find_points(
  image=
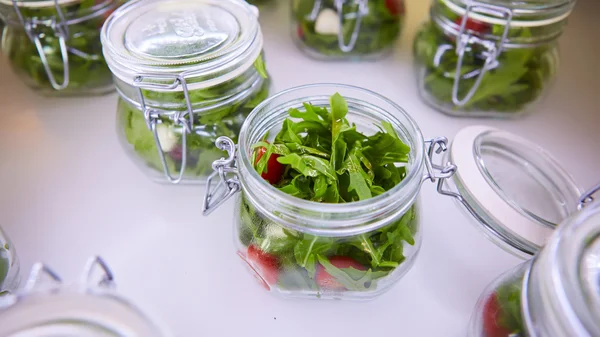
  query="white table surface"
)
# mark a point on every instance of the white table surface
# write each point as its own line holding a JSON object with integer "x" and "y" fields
{"x": 67, "y": 191}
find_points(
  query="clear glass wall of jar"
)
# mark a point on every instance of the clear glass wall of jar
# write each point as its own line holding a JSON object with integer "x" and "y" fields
{"x": 340, "y": 29}
{"x": 506, "y": 55}
{"x": 46, "y": 307}
{"x": 308, "y": 249}
{"x": 54, "y": 45}
{"x": 556, "y": 294}
{"x": 9, "y": 265}
{"x": 184, "y": 77}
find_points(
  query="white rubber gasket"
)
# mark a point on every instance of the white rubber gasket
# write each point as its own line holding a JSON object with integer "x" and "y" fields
{"x": 497, "y": 21}
{"x": 492, "y": 203}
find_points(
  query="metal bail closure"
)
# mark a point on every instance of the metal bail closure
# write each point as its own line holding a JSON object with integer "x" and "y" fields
{"x": 154, "y": 116}
{"x": 107, "y": 279}
{"x": 226, "y": 187}
{"x": 436, "y": 146}
{"x": 493, "y": 50}
{"x": 60, "y": 30}
{"x": 587, "y": 198}
{"x": 363, "y": 9}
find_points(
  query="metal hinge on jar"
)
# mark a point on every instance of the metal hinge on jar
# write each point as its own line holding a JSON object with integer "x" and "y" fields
{"x": 363, "y": 9}
{"x": 41, "y": 275}
{"x": 587, "y": 198}
{"x": 179, "y": 118}
{"x": 61, "y": 31}
{"x": 492, "y": 49}
{"x": 229, "y": 184}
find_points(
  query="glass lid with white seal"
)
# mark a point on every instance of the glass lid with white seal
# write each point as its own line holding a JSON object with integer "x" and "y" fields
{"x": 514, "y": 189}
{"x": 47, "y": 308}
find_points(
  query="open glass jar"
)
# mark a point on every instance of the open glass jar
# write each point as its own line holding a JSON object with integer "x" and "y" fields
{"x": 46, "y": 307}
{"x": 489, "y": 58}
{"x": 346, "y": 29}
{"x": 186, "y": 72}
{"x": 350, "y": 249}
{"x": 9, "y": 265}
{"x": 54, "y": 45}
{"x": 554, "y": 295}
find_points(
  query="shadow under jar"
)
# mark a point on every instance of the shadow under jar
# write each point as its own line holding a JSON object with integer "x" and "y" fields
{"x": 342, "y": 221}
{"x": 46, "y": 307}
{"x": 346, "y": 29}
{"x": 54, "y": 45}
{"x": 489, "y": 58}
{"x": 555, "y": 294}
{"x": 187, "y": 73}
{"x": 9, "y": 265}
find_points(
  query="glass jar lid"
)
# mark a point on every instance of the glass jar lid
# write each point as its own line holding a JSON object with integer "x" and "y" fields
{"x": 527, "y": 13}
{"x": 48, "y": 308}
{"x": 206, "y": 41}
{"x": 515, "y": 190}
{"x": 39, "y": 3}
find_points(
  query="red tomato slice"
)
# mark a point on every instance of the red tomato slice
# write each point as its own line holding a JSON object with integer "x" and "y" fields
{"x": 264, "y": 264}
{"x": 491, "y": 314}
{"x": 274, "y": 169}
{"x": 396, "y": 7}
{"x": 474, "y": 25}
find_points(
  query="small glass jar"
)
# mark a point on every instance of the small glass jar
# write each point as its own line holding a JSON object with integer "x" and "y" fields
{"x": 48, "y": 308}
{"x": 352, "y": 29}
{"x": 506, "y": 55}
{"x": 9, "y": 265}
{"x": 54, "y": 45}
{"x": 554, "y": 295}
{"x": 186, "y": 72}
{"x": 307, "y": 249}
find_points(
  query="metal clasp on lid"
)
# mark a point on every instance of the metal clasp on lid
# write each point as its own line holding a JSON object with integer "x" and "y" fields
{"x": 436, "y": 146}
{"x": 61, "y": 31}
{"x": 493, "y": 50}
{"x": 40, "y": 274}
{"x": 363, "y": 9}
{"x": 587, "y": 197}
{"x": 227, "y": 186}
{"x": 179, "y": 118}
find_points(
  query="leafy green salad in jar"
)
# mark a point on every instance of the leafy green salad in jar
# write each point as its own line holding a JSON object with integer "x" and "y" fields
{"x": 55, "y": 48}
{"x": 347, "y": 29}
{"x": 493, "y": 62}
{"x": 319, "y": 156}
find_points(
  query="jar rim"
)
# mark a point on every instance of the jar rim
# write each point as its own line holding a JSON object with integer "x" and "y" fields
{"x": 405, "y": 192}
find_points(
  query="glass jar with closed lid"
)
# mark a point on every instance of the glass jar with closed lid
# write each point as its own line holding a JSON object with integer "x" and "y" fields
{"x": 54, "y": 45}
{"x": 489, "y": 58}
{"x": 186, "y": 73}
{"x": 330, "y": 176}
{"x": 9, "y": 265}
{"x": 346, "y": 29}
{"x": 556, "y": 294}
{"x": 92, "y": 308}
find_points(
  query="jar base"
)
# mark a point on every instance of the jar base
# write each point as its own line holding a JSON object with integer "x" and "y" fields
{"x": 315, "y": 55}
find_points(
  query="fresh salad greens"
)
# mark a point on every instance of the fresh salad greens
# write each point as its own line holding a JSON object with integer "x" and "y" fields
{"x": 318, "y": 23}
{"x": 319, "y": 156}
{"x": 220, "y": 116}
{"x": 88, "y": 72}
{"x": 517, "y": 80}
{"x": 502, "y": 311}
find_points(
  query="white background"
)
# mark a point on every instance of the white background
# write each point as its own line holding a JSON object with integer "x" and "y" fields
{"x": 67, "y": 191}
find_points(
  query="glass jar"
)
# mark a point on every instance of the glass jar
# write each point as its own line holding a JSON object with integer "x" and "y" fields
{"x": 515, "y": 192}
{"x": 186, "y": 72}
{"x": 47, "y": 308}
{"x": 9, "y": 265}
{"x": 505, "y": 52}
{"x": 309, "y": 249}
{"x": 54, "y": 45}
{"x": 554, "y": 295}
{"x": 352, "y": 29}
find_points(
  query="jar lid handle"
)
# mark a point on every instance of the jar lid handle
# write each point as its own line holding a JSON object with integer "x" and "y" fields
{"x": 226, "y": 187}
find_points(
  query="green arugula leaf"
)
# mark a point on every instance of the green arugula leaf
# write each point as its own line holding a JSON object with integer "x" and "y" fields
{"x": 259, "y": 65}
